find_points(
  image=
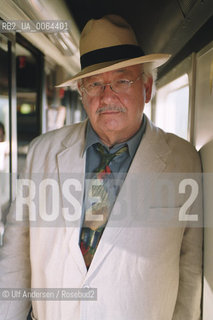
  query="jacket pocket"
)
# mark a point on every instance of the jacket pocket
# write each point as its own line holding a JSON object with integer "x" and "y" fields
{"x": 164, "y": 217}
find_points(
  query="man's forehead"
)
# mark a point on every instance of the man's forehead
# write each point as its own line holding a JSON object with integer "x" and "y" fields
{"x": 125, "y": 71}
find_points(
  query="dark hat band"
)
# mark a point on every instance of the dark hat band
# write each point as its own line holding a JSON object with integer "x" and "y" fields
{"x": 120, "y": 52}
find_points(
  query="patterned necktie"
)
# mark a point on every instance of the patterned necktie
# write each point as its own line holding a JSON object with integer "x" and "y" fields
{"x": 96, "y": 216}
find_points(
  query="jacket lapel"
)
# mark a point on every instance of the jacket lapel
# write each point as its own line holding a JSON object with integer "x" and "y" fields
{"x": 71, "y": 171}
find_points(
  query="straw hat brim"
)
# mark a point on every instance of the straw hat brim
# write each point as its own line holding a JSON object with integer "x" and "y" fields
{"x": 155, "y": 59}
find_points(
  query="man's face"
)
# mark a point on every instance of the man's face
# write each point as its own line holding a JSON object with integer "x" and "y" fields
{"x": 112, "y": 113}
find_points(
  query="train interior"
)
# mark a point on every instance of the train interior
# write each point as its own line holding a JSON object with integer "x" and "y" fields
{"x": 33, "y": 63}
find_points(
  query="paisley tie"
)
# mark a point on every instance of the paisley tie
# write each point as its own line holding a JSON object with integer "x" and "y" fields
{"x": 96, "y": 216}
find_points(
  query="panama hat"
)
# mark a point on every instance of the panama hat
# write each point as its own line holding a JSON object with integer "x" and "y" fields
{"x": 110, "y": 43}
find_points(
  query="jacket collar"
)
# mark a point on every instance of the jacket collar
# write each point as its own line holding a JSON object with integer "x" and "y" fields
{"x": 76, "y": 135}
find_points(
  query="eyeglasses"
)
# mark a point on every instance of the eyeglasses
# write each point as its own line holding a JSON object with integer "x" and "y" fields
{"x": 118, "y": 86}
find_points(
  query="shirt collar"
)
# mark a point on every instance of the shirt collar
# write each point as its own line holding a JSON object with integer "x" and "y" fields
{"x": 92, "y": 138}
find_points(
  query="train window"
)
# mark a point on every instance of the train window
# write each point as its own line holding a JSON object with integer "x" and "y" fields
{"x": 172, "y": 106}
{"x": 4, "y": 127}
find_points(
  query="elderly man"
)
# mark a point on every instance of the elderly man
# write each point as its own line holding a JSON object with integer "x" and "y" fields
{"x": 118, "y": 229}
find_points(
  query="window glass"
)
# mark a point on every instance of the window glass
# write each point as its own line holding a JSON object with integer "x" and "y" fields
{"x": 172, "y": 107}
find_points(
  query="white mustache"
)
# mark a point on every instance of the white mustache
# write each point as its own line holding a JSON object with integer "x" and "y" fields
{"x": 110, "y": 108}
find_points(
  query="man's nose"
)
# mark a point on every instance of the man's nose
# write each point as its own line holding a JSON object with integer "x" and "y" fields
{"x": 107, "y": 92}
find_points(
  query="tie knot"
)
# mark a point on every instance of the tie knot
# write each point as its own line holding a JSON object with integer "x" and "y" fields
{"x": 106, "y": 157}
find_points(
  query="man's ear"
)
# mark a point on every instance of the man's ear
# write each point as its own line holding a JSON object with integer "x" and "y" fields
{"x": 79, "y": 87}
{"x": 148, "y": 89}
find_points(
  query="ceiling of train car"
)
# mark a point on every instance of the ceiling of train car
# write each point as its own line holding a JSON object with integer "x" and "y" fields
{"x": 160, "y": 26}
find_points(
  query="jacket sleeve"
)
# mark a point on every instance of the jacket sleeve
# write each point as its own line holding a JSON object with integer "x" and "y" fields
{"x": 14, "y": 268}
{"x": 188, "y": 304}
